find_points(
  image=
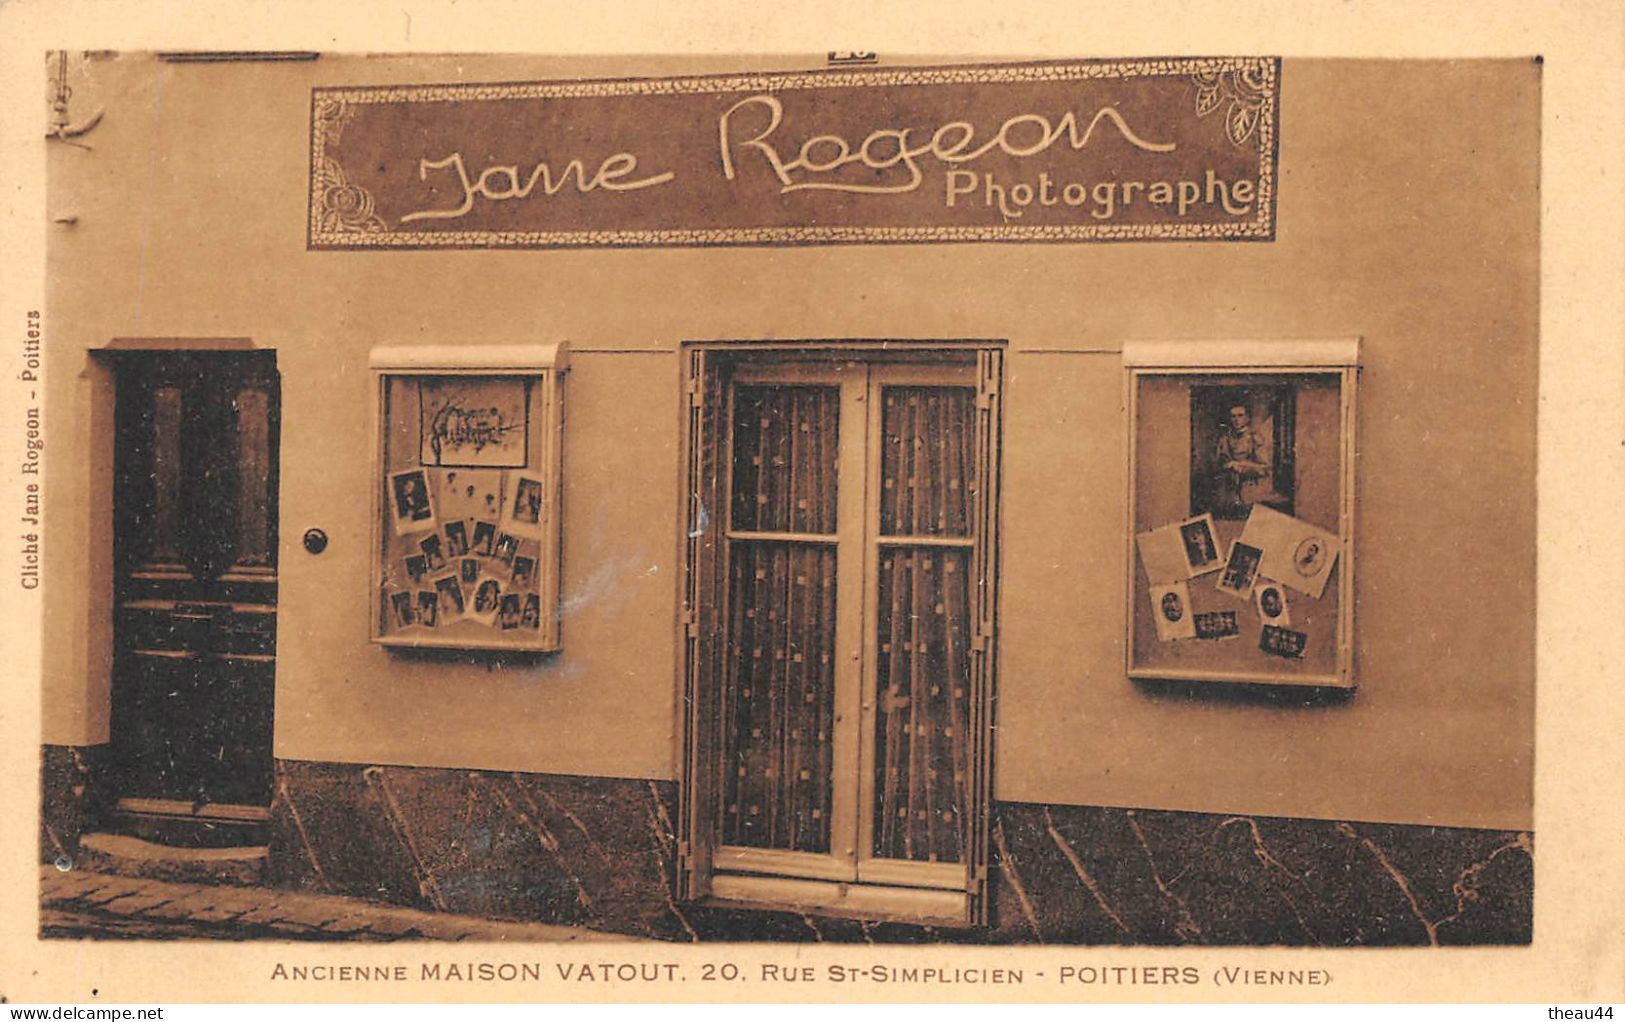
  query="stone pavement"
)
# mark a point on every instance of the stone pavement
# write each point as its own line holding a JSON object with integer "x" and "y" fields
{"x": 80, "y": 903}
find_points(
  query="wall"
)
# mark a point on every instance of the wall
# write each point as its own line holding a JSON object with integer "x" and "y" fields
{"x": 599, "y": 853}
{"x": 1408, "y": 212}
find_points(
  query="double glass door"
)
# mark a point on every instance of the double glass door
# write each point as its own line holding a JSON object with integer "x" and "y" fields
{"x": 848, "y": 734}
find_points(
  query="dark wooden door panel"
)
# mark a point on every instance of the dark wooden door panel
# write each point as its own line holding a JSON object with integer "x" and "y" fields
{"x": 193, "y": 730}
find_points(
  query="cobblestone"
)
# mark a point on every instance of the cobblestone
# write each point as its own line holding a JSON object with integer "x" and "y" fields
{"x": 82, "y": 904}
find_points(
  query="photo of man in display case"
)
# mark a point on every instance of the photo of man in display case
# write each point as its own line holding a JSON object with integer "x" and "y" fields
{"x": 1242, "y": 450}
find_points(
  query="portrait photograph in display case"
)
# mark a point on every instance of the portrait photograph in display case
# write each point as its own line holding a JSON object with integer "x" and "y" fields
{"x": 412, "y": 507}
{"x": 525, "y": 504}
{"x": 400, "y": 604}
{"x": 456, "y": 539}
{"x": 1242, "y": 449}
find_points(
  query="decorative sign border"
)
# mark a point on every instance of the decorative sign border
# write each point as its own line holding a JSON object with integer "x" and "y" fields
{"x": 1242, "y": 91}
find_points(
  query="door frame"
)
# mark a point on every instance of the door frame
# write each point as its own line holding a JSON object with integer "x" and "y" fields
{"x": 905, "y": 893}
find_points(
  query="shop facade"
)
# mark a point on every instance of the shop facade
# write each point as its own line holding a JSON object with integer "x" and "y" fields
{"x": 805, "y": 498}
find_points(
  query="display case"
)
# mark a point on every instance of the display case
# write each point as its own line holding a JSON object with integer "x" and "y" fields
{"x": 1241, "y": 511}
{"x": 466, "y": 514}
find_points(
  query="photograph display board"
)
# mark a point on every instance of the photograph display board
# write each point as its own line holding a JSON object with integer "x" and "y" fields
{"x": 1241, "y": 513}
{"x": 468, "y": 515}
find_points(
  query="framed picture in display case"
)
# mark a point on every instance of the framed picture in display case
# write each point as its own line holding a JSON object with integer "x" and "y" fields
{"x": 1240, "y": 516}
{"x": 466, "y": 516}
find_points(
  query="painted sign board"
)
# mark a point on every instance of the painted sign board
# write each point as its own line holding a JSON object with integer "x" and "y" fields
{"x": 1179, "y": 149}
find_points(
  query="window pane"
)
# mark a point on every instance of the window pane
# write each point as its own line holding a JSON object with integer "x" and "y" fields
{"x": 926, "y": 461}
{"x": 785, "y": 445}
{"x": 779, "y": 696}
{"x": 923, "y": 683}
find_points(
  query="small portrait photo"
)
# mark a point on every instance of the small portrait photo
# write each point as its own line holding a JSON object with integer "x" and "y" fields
{"x": 456, "y": 538}
{"x": 531, "y": 616}
{"x": 468, "y": 571}
{"x": 1309, "y": 556}
{"x": 416, "y": 567}
{"x": 413, "y": 510}
{"x": 1201, "y": 550}
{"x": 1271, "y": 601}
{"x": 401, "y": 612}
{"x": 1179, "y": 550}
{"x": 432, "y": 555}
{"x": 525, "y": 500}
{"x": 451, "y": 597}
{"x": 1243, "y": 449}
{"x": 509, "y": 615}
{"x": 524, "y": 572}
{"x": 487, "y": 601}
{"x": 1171, "y": 604}
{"x": 485, "y": 535}
{"x": 428, "y": 608}
{"x": 1240, "y": 570}
{"x": 507, "y": 549}
{"x": 1217, "y": 624}
{"x": 1283, "y": 642}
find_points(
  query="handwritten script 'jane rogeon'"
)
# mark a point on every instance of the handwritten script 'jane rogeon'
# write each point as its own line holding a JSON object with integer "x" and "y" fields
{"x": 884, "y": 149}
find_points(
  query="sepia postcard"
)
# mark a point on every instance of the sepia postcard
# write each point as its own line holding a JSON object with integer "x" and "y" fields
{"x": 641, "y": 509}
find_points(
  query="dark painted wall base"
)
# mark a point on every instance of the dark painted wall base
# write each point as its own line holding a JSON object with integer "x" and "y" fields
{"x": 601, "y": 853}
{"x": 1073, "y": 874}
{"x": 522, "y": 846}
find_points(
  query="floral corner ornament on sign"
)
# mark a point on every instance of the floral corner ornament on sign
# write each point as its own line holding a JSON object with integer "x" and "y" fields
{"x": 343, "y": 207}
{"x": 1247, "y": 89}
{"x": 330, "y": 116}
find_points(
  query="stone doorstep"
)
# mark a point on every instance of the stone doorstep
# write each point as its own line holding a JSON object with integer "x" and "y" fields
{"x": 122, "y": 855}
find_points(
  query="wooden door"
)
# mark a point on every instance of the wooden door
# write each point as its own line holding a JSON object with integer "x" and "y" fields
{"x": 195, "y": 540}
{"x": 848, "y": 743}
